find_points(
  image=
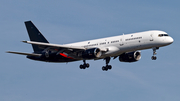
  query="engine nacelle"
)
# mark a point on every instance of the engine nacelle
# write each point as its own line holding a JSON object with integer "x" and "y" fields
{"x": 130, "y": 57}
{"x": 91, "y": 53}
{"x": 48, "y": 55}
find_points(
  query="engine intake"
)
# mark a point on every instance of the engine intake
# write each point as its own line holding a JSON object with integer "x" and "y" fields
{"x": 130, "y": 57}
{"x": 91, "y": 53}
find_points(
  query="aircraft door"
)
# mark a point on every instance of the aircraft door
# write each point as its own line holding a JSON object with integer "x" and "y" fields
{"x": 121, "y": 42}
{"x": 151, "y": 37}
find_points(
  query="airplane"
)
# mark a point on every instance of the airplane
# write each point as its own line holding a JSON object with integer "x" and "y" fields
{"x": 126, "y": 47}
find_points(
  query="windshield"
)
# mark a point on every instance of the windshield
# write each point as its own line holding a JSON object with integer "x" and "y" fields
{"x": 161, "y": 35}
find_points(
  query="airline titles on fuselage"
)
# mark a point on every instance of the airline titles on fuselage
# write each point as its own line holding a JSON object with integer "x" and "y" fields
{"x": 115, "y": 41}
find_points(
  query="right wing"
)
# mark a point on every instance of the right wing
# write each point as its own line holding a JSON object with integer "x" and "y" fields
{"x": 71, "y": 51}
{"x": 55, "y": 45}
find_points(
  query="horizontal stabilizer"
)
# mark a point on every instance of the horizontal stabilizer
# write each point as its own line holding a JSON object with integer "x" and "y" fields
{"x": 29, "y": 54}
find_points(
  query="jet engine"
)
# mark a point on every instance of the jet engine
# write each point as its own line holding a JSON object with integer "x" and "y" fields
{"x": 48, "y": 54}
{"x": 130, "y": 57}
{"x": 91, "y": 53}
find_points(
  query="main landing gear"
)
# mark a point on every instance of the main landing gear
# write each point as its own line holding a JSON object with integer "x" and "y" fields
{"x": 154, "y": 53}
{"x": 85, "y": 65}
{"x": 105, "y": 68}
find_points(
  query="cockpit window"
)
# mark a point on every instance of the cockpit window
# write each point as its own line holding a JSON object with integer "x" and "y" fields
{"x": 166, "y": 35}
{"x": 161, "y": 35}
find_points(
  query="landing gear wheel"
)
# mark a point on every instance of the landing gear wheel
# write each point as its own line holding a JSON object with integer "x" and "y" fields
{"x": 153, "y": 57}
{"x": 109, "y": 67}
{"x": 105, "y": 68}
{"x": 85, "y": 65}
{"x": 82, "y": 67}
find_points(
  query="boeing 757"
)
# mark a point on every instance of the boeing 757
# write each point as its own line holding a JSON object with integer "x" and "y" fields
{"x": 125, "y": 47}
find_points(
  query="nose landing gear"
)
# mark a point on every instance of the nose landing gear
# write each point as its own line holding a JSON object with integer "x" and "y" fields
{"x": 105, "y": 68}
{"x": 153, "y": 57}
{"x": 154, "y": 53}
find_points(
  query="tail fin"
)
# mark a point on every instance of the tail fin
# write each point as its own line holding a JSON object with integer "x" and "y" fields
{"x": 35, "y": 35}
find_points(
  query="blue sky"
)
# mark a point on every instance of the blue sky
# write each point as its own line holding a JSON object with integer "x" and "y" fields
{"x": 66, "y": 21}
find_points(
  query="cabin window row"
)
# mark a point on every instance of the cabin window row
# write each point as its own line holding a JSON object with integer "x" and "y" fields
{"x": 114, "y": 41}
{"x": 133, "y": 38}
{"x": 91, "y": 45}
{"x": 100, "y": 43}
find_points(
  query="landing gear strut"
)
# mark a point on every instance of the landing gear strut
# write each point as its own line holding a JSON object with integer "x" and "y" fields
{"x": 105, "y": 68}
{"x": 85, "y": 65}
{"x": 154, "y": 53}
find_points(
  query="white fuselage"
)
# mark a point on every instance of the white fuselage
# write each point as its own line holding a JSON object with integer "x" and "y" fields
{"x": 126, "y": 47}
{"x": 114, "y": 46}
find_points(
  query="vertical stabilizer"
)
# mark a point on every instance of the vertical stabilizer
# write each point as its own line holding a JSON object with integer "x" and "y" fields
{"x": 35, "y": 35}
